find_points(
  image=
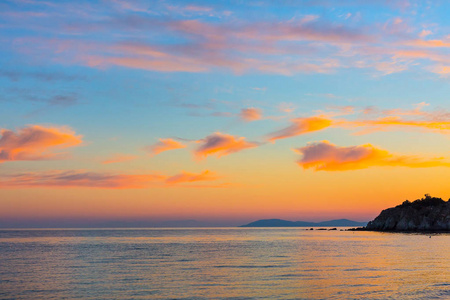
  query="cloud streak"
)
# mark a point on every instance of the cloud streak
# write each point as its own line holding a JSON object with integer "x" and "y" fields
{"x": 186, "y": 177}
{"x": 436, "y": 121}
{"x": 300, "y": 126}
{"x": 309, "y": 44}
{"x": 83, "y": 179}
{"x": 324, "y": 156}
{"x": 221, "y": 144}
{"x": 119, "y": 158}
{"x": 370, "y": 120}
{"x": 36, "y": 143}
{"x": 397, "y": 122}
{"x": 164, "y": 145}
{"x": 250, "y": 114}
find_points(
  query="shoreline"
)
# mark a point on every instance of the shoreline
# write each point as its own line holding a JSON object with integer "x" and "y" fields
{"x": 398, "y": 231}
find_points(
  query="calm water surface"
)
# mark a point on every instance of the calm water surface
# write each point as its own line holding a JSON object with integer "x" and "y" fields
{"x": 225, "y": 263}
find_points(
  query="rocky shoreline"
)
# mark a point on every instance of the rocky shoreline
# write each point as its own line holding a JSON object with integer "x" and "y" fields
{"x": 429, "y": 214}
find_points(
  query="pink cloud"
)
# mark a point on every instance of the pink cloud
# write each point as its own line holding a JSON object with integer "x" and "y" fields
{"x": 303, "y": 31}
{"x": 437, "y": 120}
{"x": 307, "y": 45}
{"x": 198, "y": 8}
{"x": 66, "y": 179}
{"x": 430, "y": 43}
{"x": 395, "y": 119}
{"x": 221, "y": 144}
{"x": 36, "y": 143}
{"x": 425, "y": 33}
{"x": 301, "y": 126}
{"x": 250, "y": 114}
{"x": 164, "y": 145}
{"x": 83, "y": 179}
{"x": 178, "y": 64}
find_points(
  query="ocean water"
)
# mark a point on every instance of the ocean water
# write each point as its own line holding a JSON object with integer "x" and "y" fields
{"x": 222, "y": 263}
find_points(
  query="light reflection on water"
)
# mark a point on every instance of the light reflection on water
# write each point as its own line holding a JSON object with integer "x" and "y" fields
{"x": 274, "y": 263}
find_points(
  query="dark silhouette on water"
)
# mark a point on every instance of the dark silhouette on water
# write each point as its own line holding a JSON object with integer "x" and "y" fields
{"x": 284, "y": 223}
{"x": 429, "y": 214}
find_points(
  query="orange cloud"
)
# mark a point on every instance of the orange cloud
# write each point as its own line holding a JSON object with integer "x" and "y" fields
{"x": 250, "y": 114}
{"x": 442, "y": 70}
{"x": 164, "y": 145}
{"x": 300, "y": 126}
{"x": 221, "y": 144}
{"x": 119, "y": 158}
{"x": 324, "y": 156}
{"x": 429, "y": 43}
{"x": 184, "y": 177}
{"x": 68, "y": 179}
{"x": 80, "y": 179}
{"x": 385, "y": 123}
{"x": 171, "y": 64}
{"x": 437, "y": 120}
{"x": 35, "y": 143}
{"x": 395, "y": 121}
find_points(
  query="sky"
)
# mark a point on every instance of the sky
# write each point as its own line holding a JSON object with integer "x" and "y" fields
{"x": 223, "y": 112}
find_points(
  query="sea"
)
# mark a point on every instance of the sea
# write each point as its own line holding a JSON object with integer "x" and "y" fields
{"x": 222, "y": 263}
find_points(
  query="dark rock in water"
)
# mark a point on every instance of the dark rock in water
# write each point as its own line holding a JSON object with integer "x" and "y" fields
{"x": 332, "y": 229}
{"x": 426, "y": 214}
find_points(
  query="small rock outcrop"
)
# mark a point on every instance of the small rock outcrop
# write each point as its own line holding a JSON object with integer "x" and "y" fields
{"x": 428, "y": 214}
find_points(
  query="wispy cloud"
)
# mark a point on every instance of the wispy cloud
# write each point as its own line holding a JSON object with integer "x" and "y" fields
{"x": 119, "y": 158}
{"x": 69, "y": 179}
{"x": 164, "y": 145}
{"x": 221, "y": 144}
{"x": 300, "y": 126}
{"x": 184, "y": 177}
{"x": 43, "y": 97}
{"x": 41, "y": 76}
{"x": 250, "y": 114}
{"x": 80, "y": 179}
{"x": 36, "y": 143}
{"x": 368, "y": 120}
{"x": 205, "y": 38}
{"x": 390, "y": 123}
{"x": 397, "y": 119}
{"x": 324, "y": 156}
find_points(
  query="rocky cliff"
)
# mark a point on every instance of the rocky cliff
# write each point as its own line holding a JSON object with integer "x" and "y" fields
{"x": 426, "y": 214}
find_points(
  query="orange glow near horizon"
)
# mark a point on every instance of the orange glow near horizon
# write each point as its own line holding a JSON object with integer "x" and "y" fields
{"x": 231, "y": 111}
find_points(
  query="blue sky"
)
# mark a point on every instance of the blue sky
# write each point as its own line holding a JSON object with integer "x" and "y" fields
{"x": 99, "y": 81}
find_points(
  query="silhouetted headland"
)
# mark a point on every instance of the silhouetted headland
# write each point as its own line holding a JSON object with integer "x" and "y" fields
{"x": 284, "y": 223}
{"x": 429, "y": 214}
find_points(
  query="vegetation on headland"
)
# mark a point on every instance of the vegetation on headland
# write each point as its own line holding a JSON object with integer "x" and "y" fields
{"x": 428, "y": 214}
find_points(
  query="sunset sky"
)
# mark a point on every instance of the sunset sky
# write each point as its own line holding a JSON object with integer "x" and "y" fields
{"x": 221, "y": 111}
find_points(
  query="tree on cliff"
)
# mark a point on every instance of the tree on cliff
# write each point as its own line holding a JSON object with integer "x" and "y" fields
{"x": 425, "y": 214}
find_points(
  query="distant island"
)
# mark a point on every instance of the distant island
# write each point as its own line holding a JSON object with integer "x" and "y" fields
{"x": 428, "y": 214}
{"x": 284, "y": 223}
